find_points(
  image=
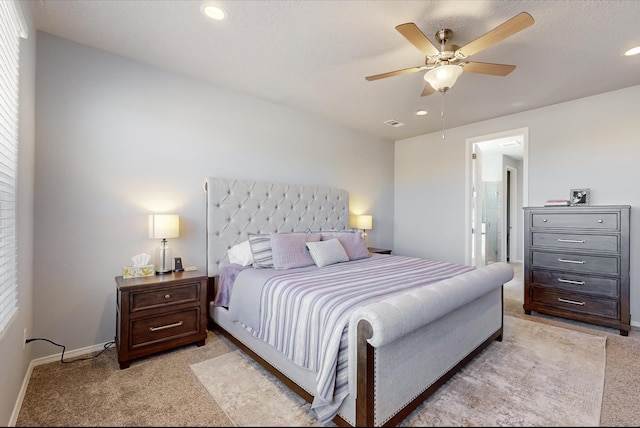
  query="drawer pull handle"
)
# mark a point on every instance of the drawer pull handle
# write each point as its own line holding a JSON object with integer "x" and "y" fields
{"x": 573, "y": 302}
{"x": 600, "y": 220}
{"x": 175, "y": 324}
{"x": 573, "y": 241}
{"x": 167, "y": 296}
{"x": 581, "y": 262}
{"x": 568, "y": 281}
{"x": 544, "y": 220}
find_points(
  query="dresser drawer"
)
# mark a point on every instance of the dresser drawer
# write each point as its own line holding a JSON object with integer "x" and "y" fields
{"x": 600, "y": 221}
{"x": 606, "y": 287}
{"x": 166, "y": 326}
{"x": 164, "y": 296}
{"x": 608, "y": 243}
{"x": 576, "y": 302}
{"x": 581, "y": 263}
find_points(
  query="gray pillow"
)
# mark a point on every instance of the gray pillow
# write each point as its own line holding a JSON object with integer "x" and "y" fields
{"x": 328, "y": 252}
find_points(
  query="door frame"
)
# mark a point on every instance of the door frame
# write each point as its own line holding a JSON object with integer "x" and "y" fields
{"x": 469, "y": 142}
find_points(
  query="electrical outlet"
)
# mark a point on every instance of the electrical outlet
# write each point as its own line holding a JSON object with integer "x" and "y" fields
{"x": 24, "y": 339}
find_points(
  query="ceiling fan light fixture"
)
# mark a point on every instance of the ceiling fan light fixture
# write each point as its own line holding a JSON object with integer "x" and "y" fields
{"x": 443, "y": 77}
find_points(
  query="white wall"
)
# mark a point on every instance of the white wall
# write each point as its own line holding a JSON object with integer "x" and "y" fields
{"x": 591, "y": 142}
{"x": 117, "y": 140}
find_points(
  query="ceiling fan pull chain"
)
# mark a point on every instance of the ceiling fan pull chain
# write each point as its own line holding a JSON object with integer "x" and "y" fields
{"x": 442, "y": 114}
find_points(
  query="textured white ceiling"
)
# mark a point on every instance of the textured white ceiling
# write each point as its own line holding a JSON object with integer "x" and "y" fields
{"x": 314, "y": 55}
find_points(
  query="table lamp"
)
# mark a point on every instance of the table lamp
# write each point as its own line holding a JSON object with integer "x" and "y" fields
{"x": 164, "y": 226}
{"x": 364, "y": 222}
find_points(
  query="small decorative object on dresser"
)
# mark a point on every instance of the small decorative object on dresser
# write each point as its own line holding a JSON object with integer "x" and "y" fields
{"x": 159, "y": 313}
{"x": 577, "y": 263}
{"x": 557, "y": 203}
{"x": 579, "y": 197}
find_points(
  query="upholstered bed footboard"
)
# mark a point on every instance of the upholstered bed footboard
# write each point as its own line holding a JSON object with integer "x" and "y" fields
{"x": 421, "y": 338}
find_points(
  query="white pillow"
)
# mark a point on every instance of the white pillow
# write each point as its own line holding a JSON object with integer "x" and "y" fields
{"x": 241, "y": 254}
{"x": 328, "y": 252}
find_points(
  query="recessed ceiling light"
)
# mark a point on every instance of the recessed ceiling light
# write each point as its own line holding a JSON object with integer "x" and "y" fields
{"x": 213, "y": 12}
{"x": 421, "y": 113}
{"x": 633, "y": 51}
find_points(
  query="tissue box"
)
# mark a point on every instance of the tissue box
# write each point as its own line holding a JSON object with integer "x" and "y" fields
{"x": 138, "y": 271}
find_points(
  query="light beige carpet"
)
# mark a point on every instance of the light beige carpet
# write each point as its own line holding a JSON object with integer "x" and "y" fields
{"x": 539, "y": 375}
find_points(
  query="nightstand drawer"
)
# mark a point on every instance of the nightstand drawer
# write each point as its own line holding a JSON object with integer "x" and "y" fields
{"x": 606, "y": 287}
{"x": 601, "y": 221}
{"x": 166, "y": 326}
{"x": 164, "y": 296}
{"x": 581, "y": 263}
{"x": 608, "y": 243}
{"x": 576, "y": 302}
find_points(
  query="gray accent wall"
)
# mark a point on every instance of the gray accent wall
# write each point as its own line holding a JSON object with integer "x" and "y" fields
{"x": 118, "y": 140}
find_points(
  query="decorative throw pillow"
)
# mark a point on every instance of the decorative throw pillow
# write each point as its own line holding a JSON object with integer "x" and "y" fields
{"x": 241, "y": 254}
{"x": 352, "y": 242}
{"x": 261, "y": 250}
{"x": 328, "y": 252}
{"x": 289, "y": 250}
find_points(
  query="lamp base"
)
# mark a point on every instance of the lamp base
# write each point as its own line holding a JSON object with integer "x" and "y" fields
{"x": 164, "y": 259}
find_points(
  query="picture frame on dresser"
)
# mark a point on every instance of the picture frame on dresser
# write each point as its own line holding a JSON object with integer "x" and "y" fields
{"x": 579, "y": 197}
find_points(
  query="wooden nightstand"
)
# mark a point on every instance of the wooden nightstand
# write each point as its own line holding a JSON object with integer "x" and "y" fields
{"x": 158, "y": 313}
{"x": 379, "y": 250}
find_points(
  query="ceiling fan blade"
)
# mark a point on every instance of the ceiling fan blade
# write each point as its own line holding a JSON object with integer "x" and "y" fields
{"x": 488, "y": 68}
{"x": 501, "y": 32}
{"x": 428, "y": 90}
{"x": 412, "y": 33}
{"x": 394, "y": 73}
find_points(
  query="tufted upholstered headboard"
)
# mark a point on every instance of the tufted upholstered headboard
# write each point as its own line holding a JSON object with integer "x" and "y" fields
{"x": 235, "y": 208}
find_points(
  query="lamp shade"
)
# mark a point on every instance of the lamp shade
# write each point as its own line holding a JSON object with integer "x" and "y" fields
{"x": 365, "y": 222}
{"x": 443, "y": 77}
{"x": 163, "y": 226}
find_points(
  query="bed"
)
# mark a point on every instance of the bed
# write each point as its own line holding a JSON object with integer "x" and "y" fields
{"x": 365, "y": 338}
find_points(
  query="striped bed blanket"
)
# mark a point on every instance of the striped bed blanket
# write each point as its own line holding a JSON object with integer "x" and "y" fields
{"x": 304, "y": 313}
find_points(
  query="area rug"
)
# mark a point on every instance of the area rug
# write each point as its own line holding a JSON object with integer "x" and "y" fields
{"x": 539, "y": 375}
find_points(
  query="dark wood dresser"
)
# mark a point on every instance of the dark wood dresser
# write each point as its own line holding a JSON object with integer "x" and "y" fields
{"x": 577, "y": 263}
{"x": 158, "y": 313}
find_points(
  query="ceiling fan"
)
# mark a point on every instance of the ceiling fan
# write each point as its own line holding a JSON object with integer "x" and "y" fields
{"x": 445, "y": 64}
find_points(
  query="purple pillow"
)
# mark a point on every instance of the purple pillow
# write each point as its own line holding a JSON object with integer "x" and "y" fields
{"x": 289, "y": 250}
{"x": 351, "y": 241}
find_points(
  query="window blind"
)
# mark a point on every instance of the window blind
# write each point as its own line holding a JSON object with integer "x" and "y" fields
{"x": 11, "y": 29}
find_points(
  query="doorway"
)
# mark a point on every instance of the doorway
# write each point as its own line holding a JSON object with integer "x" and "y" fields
{"x": 496, "y": 193}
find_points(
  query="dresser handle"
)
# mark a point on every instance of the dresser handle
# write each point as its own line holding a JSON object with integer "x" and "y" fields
{"x": 175, "y": 324}
{"x": 167, "y": 296}
{"x": 573, "y": 241}
{"x": 544, "y": 220}
{"x": 573, "y": 302}
{"x": 568, "y": 281}
{"x": 581, "y": 262}
{"x": 600, "y": 220}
